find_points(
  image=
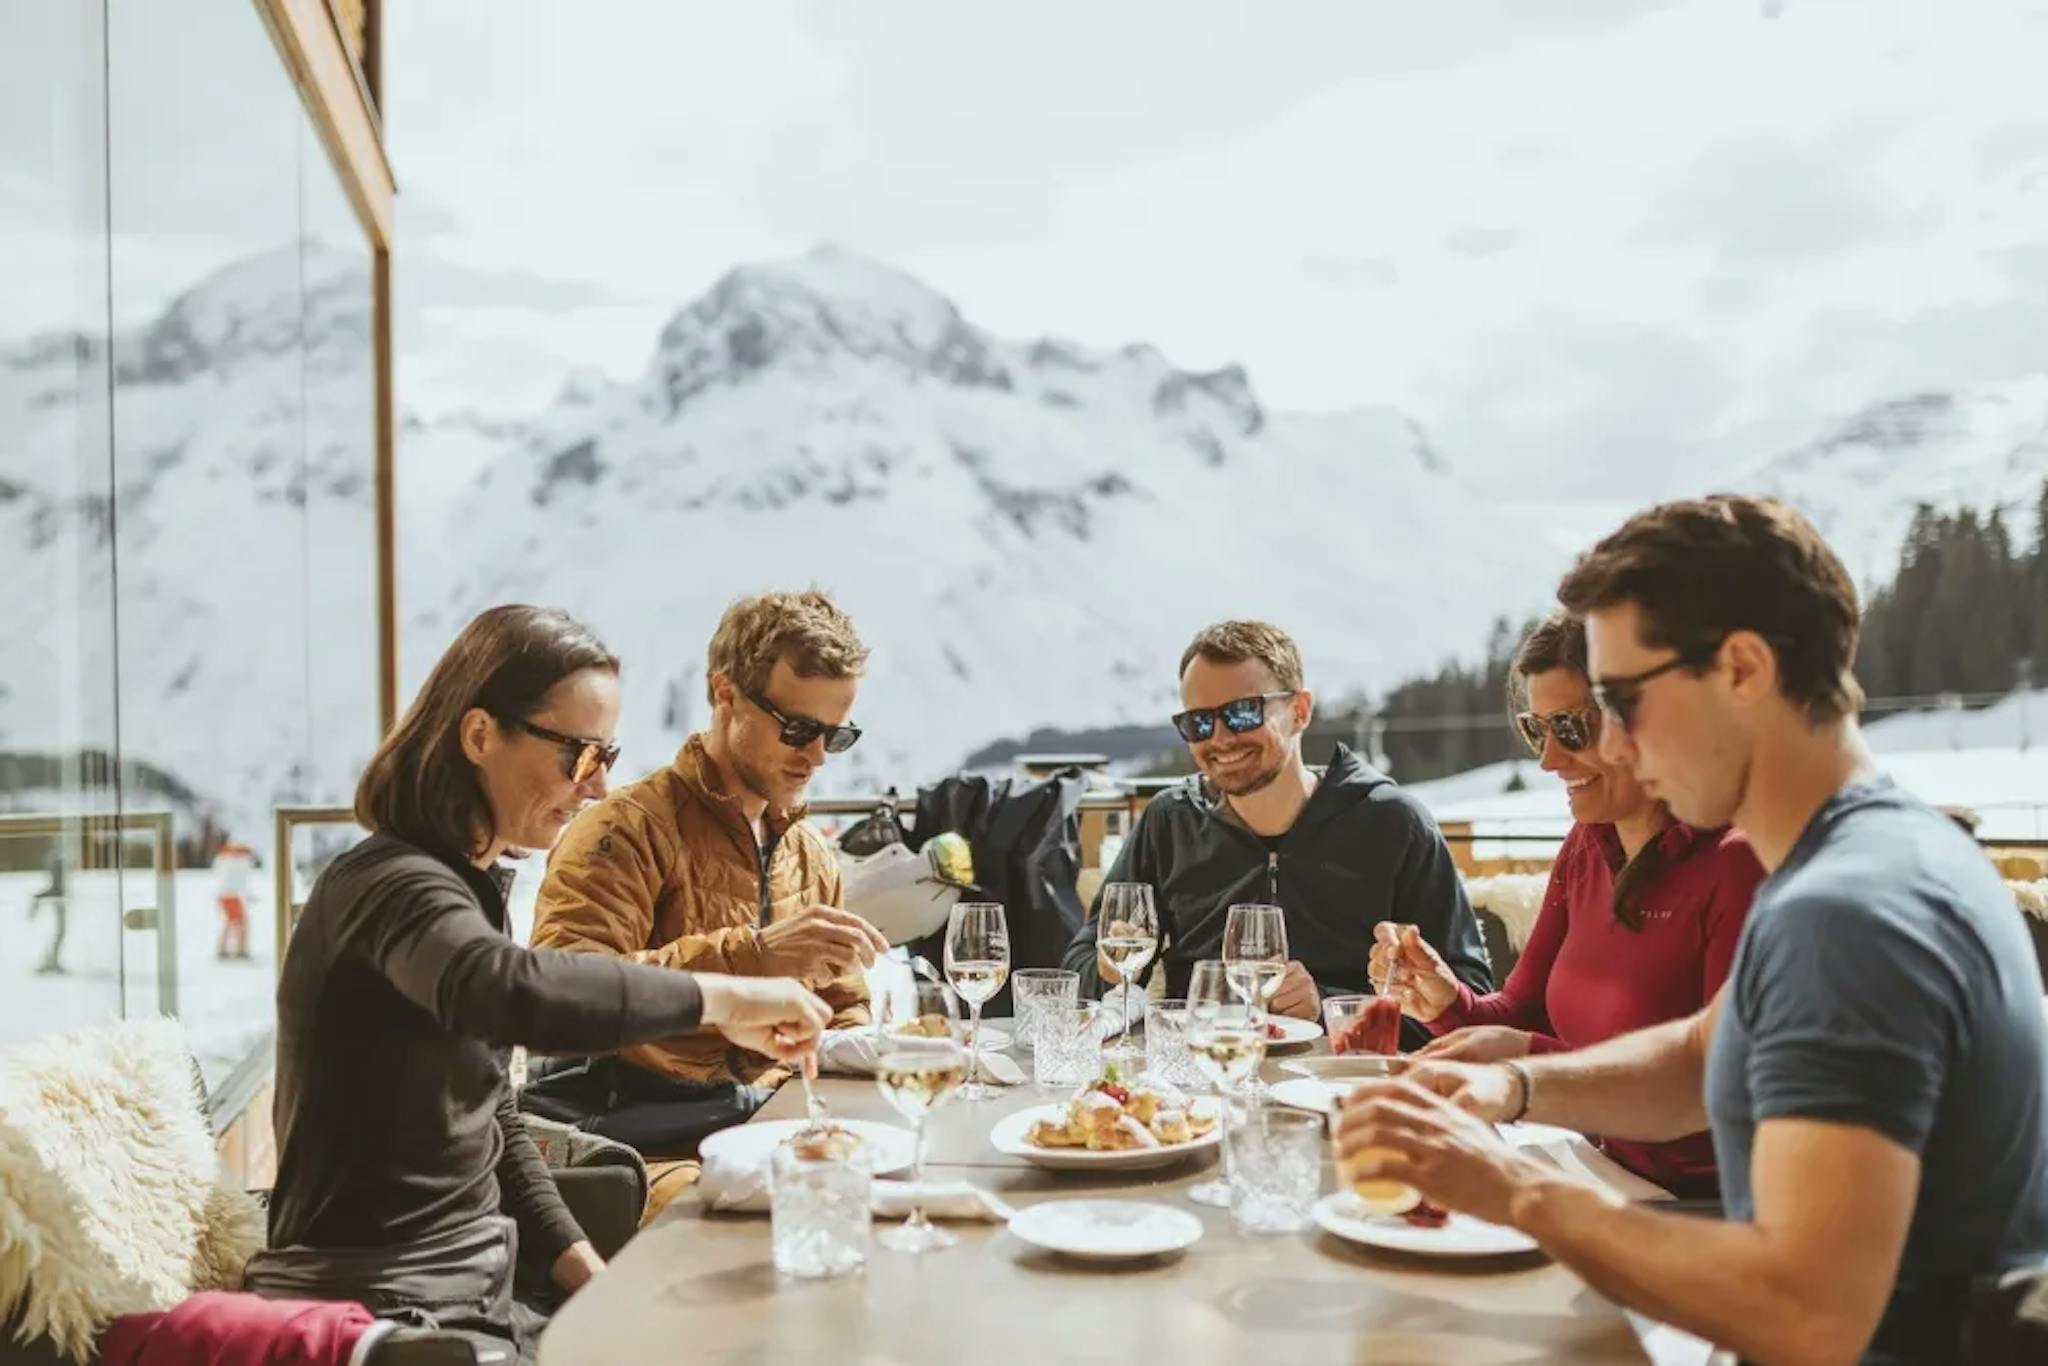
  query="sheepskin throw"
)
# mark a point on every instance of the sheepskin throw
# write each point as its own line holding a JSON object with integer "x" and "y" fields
{"x": 110, "y": 1194}
{"x": 1514, "y": 897}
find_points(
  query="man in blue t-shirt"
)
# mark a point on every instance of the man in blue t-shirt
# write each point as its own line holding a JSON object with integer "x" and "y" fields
{"x": 1873, "y": 1071}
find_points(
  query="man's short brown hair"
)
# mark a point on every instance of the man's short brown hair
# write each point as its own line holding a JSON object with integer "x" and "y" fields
{"x": 1702, "y": 568}
{"x": 1234, "y": 642}
{"x": 807, "y": 629}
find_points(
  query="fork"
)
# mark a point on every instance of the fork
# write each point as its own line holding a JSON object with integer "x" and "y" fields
{"x": 817, "y": 1115}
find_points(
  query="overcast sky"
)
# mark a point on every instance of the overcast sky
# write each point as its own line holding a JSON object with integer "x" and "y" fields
{"x": 1591, "y": 244}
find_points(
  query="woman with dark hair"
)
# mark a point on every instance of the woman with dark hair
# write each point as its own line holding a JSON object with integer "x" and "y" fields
{"x": 406, "y": 1178}
{"x": 1638, "y": 924}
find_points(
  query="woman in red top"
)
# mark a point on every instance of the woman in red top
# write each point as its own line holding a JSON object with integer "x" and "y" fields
{"x": 1638, "y": 924}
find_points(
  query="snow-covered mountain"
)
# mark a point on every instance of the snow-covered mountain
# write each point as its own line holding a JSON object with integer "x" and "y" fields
{"x": 1026, "y": 532}
{"x": 244, "y": 578}
{"x": 1984, "y": 447}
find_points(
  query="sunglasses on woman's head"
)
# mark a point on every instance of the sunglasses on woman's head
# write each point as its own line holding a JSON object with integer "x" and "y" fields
{"x": 1238, "y": 715}
{"x": 798, "y": 731}
{"x": 1574, "y": 729}
{"x": 581, "y": 757}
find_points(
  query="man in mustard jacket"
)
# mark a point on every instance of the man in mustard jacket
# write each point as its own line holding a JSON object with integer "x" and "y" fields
{"x": 708, "y": 865}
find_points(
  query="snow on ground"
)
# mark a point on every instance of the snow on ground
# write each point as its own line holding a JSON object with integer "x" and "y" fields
{"x": 227, "y": 1007}
{"x": 1993, "y": 761}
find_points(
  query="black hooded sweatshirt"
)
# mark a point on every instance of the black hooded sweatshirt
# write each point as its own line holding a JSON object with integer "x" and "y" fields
{"x": 1360, "y": 852}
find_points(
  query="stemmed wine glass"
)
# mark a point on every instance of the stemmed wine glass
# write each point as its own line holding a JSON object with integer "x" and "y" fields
{"x": 917, "y": 1076}
{"x": 1255, "y": 955}
{"x": 977, "y": 964}
{"x": 1228, "y": 1043}
{"x": 1128, "y": 937}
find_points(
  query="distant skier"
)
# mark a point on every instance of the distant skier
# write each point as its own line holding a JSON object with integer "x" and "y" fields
{"x": 231, "y": 870}
{"x": 53, "y": 894}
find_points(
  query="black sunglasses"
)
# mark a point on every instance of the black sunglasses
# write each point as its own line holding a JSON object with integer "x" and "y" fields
{"x": 1239, "y": 714}
{"x": 581, "y": 756}
{"x": 799, "y": 731}
{"x": 1618, "y": 695}
{"x": 1574, "y": 729}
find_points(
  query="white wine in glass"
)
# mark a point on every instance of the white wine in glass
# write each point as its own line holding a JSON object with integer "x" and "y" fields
{"x": 1127, "y": 935}
{"x": 916, "y": 1077}
{"x": 977, "y": 981}
{"x": 1255, "y": 949}
{"x": 1230, "y": 1056}
{"x": 1256, "y": 981}
{"x": 977, "y": 964}
{"x": 1228, "y": 1042}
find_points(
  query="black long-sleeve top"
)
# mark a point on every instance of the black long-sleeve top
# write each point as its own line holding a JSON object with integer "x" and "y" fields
{"x": 400, "y": 997}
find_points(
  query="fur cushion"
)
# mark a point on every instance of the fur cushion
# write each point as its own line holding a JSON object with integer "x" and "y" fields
{"x": 1514, "y": 897}
{"x": 111, "y": 1200}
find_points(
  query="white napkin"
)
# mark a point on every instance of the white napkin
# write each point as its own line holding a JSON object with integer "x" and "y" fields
{"x": 852, "y": 1053}
{"x": 735, "y": 1187}
{"x": 1575, "y": 1153}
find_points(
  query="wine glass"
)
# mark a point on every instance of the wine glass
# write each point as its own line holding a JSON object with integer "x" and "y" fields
{"x": 917, "y": 1076}
{"x": 977, "y": 964}
{"x": 1128, "y": 936}
{"x": 1255, "y": 953}
{"x": 1228, "y": 1043}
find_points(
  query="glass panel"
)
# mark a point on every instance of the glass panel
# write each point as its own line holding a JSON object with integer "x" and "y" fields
{"x": 209, "y": 440}
{"x": 60, "y": 943}
{"x": 341, "y": 526}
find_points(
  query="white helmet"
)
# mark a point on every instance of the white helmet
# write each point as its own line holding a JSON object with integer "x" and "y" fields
{"x": 905, "y": 893}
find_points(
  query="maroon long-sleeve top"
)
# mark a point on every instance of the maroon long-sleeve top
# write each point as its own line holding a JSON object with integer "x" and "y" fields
{"x": 1584, "y": 976}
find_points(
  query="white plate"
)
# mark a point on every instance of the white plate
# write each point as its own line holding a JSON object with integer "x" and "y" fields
{"x": 1295, "y": 1032}
{"x": 1309, "y": 1093}
{"x": 1337, "y": 1067}
{"x": 1463, "y": 1236}
{"x": 1523, "y": 1133}
{"x": 1106, "y": 1230}
{"x": 889, "y": 1148}
{"x": 993, "y": 1040}
{"x": 1011, "y": 1136}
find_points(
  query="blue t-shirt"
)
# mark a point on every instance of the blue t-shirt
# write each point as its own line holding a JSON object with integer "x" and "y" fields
{"x": 1885, "y": 979}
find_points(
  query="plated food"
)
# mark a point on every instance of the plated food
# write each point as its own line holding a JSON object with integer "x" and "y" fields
{"x": 1283, "y": 1031}
{"x": 826, "y": 1142}
{"x": 941, "y": 1027}
{"x": 1111, "y": 1114}
{"x": 886, "y": 1147}
{"x": 1421, "y": 1230}
{"x": 1116, "y": 1123}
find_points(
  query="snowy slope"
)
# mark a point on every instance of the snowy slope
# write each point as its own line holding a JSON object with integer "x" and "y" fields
{"x": 1989, "y": 760}
{"x": 1027, "y": 532}
{"x": 1982, "y": 448}
{"x": 242, "y": 525}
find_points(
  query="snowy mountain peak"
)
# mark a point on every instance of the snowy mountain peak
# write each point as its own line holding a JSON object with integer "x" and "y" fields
{"x": 253, "y": 308}
{"x": 831, "y": 309}
{"x": 819, "y": 310}
{"x": 1984, "y": 447}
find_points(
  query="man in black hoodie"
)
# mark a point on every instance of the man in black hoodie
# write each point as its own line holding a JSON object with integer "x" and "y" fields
{"x": 1257, "y": 825}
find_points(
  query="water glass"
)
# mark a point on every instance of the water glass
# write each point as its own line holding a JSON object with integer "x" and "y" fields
{"x": 1069, "y": 1052}
{"x": 1032, "y": 990}
{"x": 819, "y": 1213}
{"x": 1279, "y": 1170}
{"x": 1166, "y": 1046}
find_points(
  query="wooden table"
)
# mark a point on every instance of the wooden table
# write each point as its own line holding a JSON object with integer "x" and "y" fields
{"x": 700, "y": 1288}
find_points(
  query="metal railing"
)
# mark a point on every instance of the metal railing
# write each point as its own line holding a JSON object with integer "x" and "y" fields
{"x": 289, "y": 819}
